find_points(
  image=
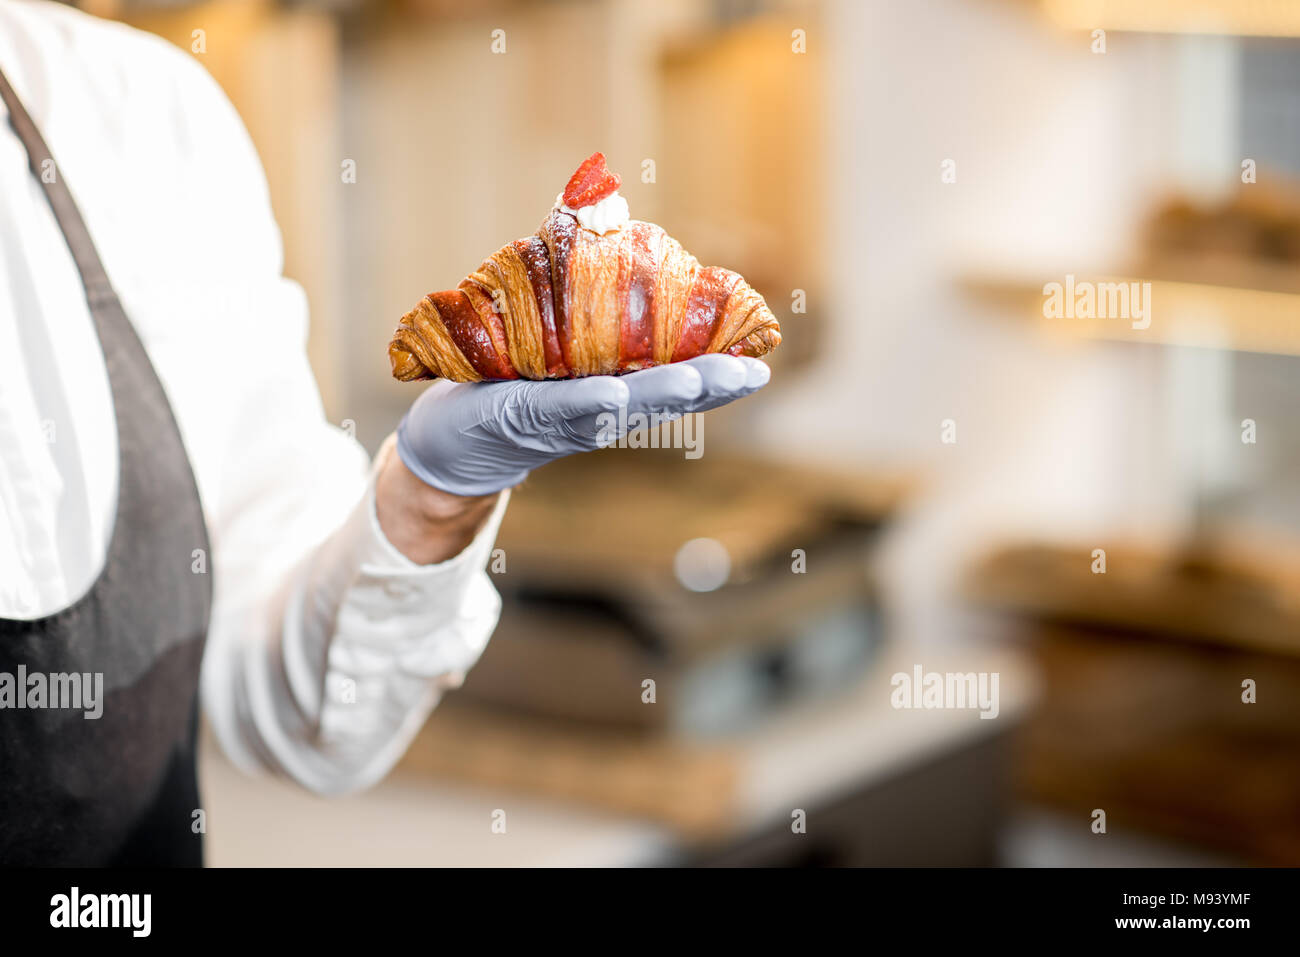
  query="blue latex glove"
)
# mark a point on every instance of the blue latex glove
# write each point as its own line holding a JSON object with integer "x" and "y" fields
{"x": 479, "y": 438}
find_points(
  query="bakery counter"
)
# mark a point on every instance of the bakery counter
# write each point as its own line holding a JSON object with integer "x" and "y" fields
{"x": 877, "y": 785}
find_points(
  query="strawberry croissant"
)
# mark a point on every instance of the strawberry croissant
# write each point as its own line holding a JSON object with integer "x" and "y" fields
{"x": 592, "y": 293}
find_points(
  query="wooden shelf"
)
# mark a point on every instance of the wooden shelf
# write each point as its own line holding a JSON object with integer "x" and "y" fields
{"x": 1261, "y": 18}
{"x": 1227, "y": 597}
{"x": 1210, "y": 314}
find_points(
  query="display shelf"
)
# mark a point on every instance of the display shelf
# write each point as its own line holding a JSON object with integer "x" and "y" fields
{"x": 1215, "y": 314}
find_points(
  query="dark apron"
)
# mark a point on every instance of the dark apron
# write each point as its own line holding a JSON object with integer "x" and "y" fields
{"x": 120, "y": 790}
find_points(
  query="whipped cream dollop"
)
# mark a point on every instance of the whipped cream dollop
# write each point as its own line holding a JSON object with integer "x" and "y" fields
{"x": 606, "y": 216}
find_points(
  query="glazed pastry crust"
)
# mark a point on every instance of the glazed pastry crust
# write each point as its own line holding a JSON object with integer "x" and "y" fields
{"x": 568, "y": 303}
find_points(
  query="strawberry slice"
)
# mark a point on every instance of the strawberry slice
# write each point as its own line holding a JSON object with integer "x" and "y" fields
{"x": 591, "y": 183}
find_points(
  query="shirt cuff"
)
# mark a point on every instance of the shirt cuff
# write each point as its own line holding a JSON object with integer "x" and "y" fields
{"x": 396, "y": 606}
{"x": 365, "y": 613}
{"x": 379, "y": 556}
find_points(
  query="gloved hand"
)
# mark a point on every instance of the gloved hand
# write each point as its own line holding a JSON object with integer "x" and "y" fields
{"x": 480, "y": 438}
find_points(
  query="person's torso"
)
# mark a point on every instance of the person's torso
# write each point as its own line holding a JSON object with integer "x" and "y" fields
{"x": 122, "y": 112}
{"x": 98, "y": 695}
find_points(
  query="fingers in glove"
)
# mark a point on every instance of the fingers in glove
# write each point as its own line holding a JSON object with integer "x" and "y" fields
{"x": 561, "y": 400}
{"x": 655, "y": 395}
{"x": 727, "y": 378}
{"x": 556, "y": 417}
{"x": 667, "y": 389}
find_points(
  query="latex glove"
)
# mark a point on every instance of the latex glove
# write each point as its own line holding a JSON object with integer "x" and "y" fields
{"x": 482, "y": 437}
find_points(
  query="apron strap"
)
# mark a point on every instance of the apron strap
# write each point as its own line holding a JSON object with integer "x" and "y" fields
{"x": 120, "y": 790}
{"x": 99, "y": 291}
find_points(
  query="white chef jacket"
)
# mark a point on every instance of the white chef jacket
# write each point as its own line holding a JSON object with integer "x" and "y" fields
{"x": 328, "y": 647}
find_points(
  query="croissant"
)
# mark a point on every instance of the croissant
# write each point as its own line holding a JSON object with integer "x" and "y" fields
{"x": 573, "y": 300}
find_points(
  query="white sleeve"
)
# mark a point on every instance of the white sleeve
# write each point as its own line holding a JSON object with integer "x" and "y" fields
{"x": 327, "y": 648}
{"x": 337, "y": 670}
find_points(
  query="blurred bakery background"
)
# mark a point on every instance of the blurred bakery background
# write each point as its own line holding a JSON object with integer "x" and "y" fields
{"x": 1095, "y": 519}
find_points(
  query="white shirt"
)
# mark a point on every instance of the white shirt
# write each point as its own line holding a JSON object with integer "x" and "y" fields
{"x": 327, "y": 647}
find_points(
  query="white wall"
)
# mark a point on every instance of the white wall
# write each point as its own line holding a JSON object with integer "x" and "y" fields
{"x": 1059, "y": 153}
